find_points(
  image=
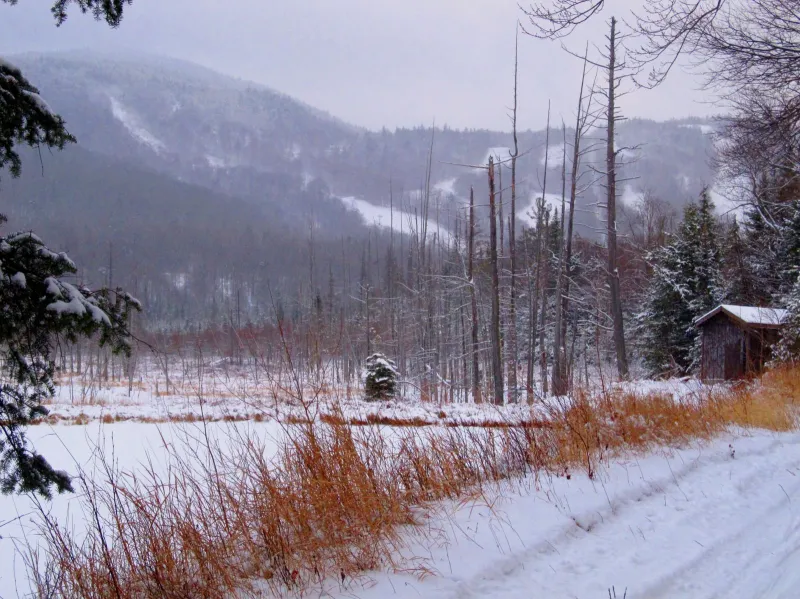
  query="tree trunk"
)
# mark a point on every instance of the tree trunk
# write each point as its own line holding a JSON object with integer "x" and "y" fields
{"x": 476, "y": 374}
{"x": 560, "y": 381}
{"x": 497, "y": 359}
{"x": 512, "y": 243}
{"x": 545, "y": 275}
{"x": 613, "y": 267}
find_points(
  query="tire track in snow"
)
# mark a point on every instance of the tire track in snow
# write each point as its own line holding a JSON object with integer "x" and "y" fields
{"x": 668, "y": 537}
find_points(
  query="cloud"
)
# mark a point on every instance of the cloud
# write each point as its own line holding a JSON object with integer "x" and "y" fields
{"x": 385, "y": 63}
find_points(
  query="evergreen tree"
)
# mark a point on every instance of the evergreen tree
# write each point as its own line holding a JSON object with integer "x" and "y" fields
{"x": 787, "y": 249}
{"x": 381, "y": 378}
{"x": 788, "y": 347}
{"x": 39, "y": 307}
{"x": 741, "y": 285}
{"x": 773, "y": 228}
{"x": 686, "y": 283}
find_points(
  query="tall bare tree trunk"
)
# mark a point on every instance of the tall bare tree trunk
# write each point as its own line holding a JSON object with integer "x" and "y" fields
{"x": 544, "y": 272}
{"x": 611, "y": 168}
{"x": 560, "y": 382}
{"x": 497, "y": 359}
{"x": 533, "y": 310}
{"x": 512, "y": 243}
{"x": 476, "y": 374}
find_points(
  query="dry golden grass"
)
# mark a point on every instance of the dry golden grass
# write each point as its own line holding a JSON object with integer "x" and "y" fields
{"x": 338, "y": 500}
{"x": 331, "y": 504}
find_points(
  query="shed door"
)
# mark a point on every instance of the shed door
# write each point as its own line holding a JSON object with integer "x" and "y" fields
{"x": 733, "y": 361}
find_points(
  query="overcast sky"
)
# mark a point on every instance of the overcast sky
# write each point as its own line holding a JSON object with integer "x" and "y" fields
{"x": 370, "y": 62}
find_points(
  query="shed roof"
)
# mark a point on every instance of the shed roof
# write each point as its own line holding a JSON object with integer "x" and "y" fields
{"x": 749, "y": 315}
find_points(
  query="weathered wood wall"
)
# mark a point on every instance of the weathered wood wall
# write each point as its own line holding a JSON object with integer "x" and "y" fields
{"x": 731, "y": 352}
{"x": 722, "y": 350}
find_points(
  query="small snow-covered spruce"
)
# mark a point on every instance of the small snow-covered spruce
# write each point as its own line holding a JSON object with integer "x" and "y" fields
{"x": 39, "y": 309}
{"x": 380, "y": 381}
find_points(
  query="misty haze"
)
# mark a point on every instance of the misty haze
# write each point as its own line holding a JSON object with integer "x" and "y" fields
{"x": 378, "y": 299}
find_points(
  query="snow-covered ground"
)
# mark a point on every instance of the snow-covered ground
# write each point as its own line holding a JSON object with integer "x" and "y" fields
{"x": 709, "y": 520}
{"x": 77, "y": 448}
{"x": 231, "y": 393}
{"x": 720, "y": 521}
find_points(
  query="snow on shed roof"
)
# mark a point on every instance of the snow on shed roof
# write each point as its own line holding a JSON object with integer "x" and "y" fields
{"x": 751, "y": 315}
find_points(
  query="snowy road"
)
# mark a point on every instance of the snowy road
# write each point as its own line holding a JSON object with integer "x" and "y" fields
{"x": 698, "y": 524}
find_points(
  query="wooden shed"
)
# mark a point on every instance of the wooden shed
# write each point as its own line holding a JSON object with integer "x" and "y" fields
{"x": 737, "y": 340}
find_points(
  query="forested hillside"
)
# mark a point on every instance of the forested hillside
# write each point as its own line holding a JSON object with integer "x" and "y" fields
{"x": 275, "y": 181}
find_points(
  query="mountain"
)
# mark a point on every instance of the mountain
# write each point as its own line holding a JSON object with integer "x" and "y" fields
{"x": 200, "y": 192}
{"x": 247, "y": 140}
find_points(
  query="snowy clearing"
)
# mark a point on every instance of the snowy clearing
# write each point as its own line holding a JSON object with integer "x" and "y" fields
{"x": 383, "y": 216}
{"x": 704, "y": 129}
{"x": 708, "y": 520}
{"x": 446, "y": 186}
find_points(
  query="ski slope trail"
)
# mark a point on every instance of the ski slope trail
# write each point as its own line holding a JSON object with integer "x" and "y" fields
{"x": 720, "y": 521}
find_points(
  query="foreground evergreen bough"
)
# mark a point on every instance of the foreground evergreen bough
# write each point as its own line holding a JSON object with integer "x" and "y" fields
{"x": 40, "y": 309}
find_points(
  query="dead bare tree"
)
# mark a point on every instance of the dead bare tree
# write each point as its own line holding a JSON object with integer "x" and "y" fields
{"x": 585, "y": 118}
{"x": 614, "y": 81}
{"x": 736, "y": 44}
{"x": 513, "y": 357}
{"x": 497, "y": 358}
{"x": 476, "y": 375}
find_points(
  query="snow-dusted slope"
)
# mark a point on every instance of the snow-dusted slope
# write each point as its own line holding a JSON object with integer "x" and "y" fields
{"x": 398, "y": 220}
{"x": 247, "y": 140}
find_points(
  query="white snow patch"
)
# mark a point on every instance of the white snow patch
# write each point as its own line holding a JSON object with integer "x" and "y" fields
{"x": 178, "y": 280}
{"x": 215, "y": 162}
{"x": 39, "y": 101}
{"x": 77, "y": 305}
{"x": 294, "y": 151}
{"x": 704, "y": 129}
{"x": 527, "y": 215}
{"x": 131, "y": 122}
{"x": 447, "y": 186}
{"x": 19, "y": 280}
{"x": 631, "y": 197}
{"x": 749, "y": 314}
{"x": 500, "y": 154}
{"x": 707, "y": 521}
{"x": 730, "y": 196}
{"x": 554, "y": 156}
{"x": 383, "y": 216}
